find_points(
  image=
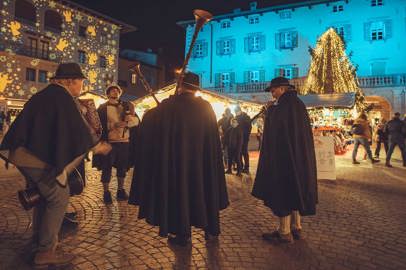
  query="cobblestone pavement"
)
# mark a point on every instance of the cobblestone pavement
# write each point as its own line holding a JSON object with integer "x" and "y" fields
{"x": 360, "y": 224}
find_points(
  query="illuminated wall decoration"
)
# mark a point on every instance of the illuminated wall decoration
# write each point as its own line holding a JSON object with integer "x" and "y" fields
{"x": 63, "y": 47}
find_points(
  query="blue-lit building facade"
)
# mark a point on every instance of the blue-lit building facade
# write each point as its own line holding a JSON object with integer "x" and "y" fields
{"x": 240, "y": 52}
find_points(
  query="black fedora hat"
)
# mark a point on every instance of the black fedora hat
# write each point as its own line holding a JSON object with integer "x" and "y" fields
{"x": 278, "y": 81}
{"x": 191, "y": 81}
{"x": 69, "y": 71}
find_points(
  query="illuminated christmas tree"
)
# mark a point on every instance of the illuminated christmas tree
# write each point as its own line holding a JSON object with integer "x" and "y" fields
{"x": 330, "y": 71}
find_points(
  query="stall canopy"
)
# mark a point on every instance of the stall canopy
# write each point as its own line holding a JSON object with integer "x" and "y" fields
{"x": 218, "y": 101}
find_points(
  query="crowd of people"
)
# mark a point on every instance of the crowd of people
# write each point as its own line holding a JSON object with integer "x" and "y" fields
{"x": 179, "y": 175}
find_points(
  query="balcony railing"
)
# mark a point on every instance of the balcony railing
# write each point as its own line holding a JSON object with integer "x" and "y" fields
{"x": 30, "y": 52}
{"x": 393, "y": 80}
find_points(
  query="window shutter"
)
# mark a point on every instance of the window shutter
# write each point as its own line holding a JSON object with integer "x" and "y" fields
{"x": 278, "y": 41}
{"x": 294, "y": 39}
{"x": 388, "y": 29}
{"x": 205, "y": 49}
{"x": 246, "y": 76}
{"x": 219, "y": 47}
{"x": 232, "y": 77}
{"x": 217, "y": 79}
{"x": 246, "y": 45}
{"x": 277, "y": 72}
{"x": 262, "y": 44}
{"x": 194, "y": 51}
{"x": 262, "y": 75}
{"x": 295, "y": 72}
{"x": 347, "y": 32}
{"x": 251, "y": 44}
{"x": 232, "y": 46}
{"x": 367, "y": 31}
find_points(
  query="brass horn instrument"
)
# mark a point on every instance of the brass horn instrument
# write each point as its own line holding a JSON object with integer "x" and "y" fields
{"x": 201, "y": 17}
{"x": 147, "y": 86}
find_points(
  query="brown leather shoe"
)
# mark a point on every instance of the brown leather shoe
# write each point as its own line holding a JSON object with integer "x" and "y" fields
{"x": 52, "y": 258}
{"x": 278, "y": 238}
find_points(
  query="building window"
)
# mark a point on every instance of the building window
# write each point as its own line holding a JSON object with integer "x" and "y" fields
{"x": 225, "y": 47}
{"x": 33, "y": 46}
{"x": 30, "y": 75}
{"x": 226, "y": 24}
{"x": 253, "y": 76}
{"x": 44, "y": 49}
{"x": 133, "y": 78}
{"x": 103, "y": 62}
{"x": 287, "y": 72}
{"x": 42, "y": 76}
{"x": 375, "y": 3}
{"x": 225, "y": 80}
{"x": 25, "y": 12}
{"x": 82, "y": 31}
{"x": 103, "y": 38}
{"x": 286, "y": 40}
{"x": 200, "y": 49}
{"x": 377, "y": 31}
{"x": 53, "y": 21}
{"x": 253, "y": 20}
{"x": 338, "y": 8}
{"x": 254, "y": 43}
{"x": 285, "y": 14}
{"x": 82, "y": 57}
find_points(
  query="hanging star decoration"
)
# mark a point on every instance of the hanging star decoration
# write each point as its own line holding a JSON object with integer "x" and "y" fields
{"x": 62, "y": 44}
{"x": 4, "y": 81}
{"x": 35, "y": 62}
{"x": 92, "y": 58}
{"x": 15, "y": 28}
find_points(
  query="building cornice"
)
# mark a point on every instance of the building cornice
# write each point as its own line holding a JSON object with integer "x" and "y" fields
{"x": 260, "y": 11}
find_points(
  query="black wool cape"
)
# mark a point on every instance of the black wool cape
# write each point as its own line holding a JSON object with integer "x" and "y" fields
{"x": 179, "y": 177}
{"x": 51, "y": 127}
{"x": 286, "y": 178}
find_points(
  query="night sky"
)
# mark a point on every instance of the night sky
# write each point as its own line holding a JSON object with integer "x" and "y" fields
{"x": 156, "y": 21}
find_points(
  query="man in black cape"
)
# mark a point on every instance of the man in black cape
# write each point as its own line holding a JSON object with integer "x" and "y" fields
{"x": 286, "y": 178}
{"x": 46, "y": 141}
{"x": 179, "y": 179}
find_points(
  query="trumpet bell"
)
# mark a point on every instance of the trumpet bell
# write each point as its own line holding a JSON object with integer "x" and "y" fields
{"x": 202, "y": 15}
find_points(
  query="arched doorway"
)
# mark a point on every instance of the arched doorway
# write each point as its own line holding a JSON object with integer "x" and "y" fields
{"x": 381, "y": 107}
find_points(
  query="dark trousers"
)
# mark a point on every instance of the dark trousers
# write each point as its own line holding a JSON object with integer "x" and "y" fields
{"x": 118, "y": 157}
{"x": 364, "y": 142}
{"x": 234, "y": 155}
{"x": 378, "y": 147}
{"x": 244, "y": 154}
{"x": 392, "y": 145}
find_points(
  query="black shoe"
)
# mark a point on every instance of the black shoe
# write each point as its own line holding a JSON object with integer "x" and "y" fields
{"x": 71, "y": 215}
{"x": 276, "y": 237}
{"x": 375, "y": 161}
{"x": 122, "y": 195}
{"x": 177, "y": 240}
{"x": 388, "y": 165}
{"x": 297, "y": 234}
{"x": 107, "y": 197}
{"x": 239, "y": 174}
{"x": 210, "y": 237}
{"x": 247, "y": 171}
{"x": 355, "y": 162}
{"x": 70, "y": 220}
{"x": 228, "y": 172}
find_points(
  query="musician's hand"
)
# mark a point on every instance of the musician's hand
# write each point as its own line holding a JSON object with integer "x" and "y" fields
{"x": 121, "y": 124}
{"x": 102, "y": 148}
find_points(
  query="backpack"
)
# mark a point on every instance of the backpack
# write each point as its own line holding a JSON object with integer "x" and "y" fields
{"x": 357, "y": 129}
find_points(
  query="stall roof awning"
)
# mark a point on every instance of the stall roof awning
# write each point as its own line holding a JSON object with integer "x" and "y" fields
{"x": 344, "y": 100}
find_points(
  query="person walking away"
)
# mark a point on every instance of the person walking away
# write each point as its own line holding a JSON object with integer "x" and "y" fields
{"x": 362, "y": 134}
{"x": 381, "y": 138}
{"x": 51, "y": 115}
{"x": 244, "y": 121}
{"x": 396, "y": 131}
{"x": 286, "y": 179}
{"x": 233, "y": 142}
{"x": 116, "y": 117}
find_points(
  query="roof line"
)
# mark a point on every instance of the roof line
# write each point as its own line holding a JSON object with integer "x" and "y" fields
{"x": 261, "y": 10}
{"x": 126, "y": 28}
